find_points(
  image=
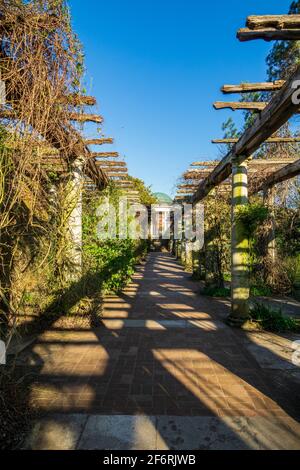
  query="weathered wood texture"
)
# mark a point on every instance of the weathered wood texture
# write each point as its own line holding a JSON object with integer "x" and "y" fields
{"x": 277, "y": 113}
{"x": 268, "y": 34}
{"x": 105, "y": 154}
{"x": 252, "y": 87}
{"x": 271, "y": 140}
{"x": 81, "y": 117}
{"x": 255, "y": 22}
{"x": 99, "y": 141}
{"x": 78, "y": 100}
{"x": 106, "y": 163}
{"x": 283, "y": 174}
{"x": 254, "y": 106}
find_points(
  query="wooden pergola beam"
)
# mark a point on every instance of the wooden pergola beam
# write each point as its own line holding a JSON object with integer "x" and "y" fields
{"x": 268, "y": 34}
{"x": 106, "y": 163}
{"x": 252, "y": 87}
{"x": 109, "y": 170}
{"x": 250, "y": 106}
{"x": 278, "y": 112}
{"x": 99, "y": 141}
{"x": 255, "y": 22}
{"x": 105, "y": 154}
{"x": 78, "y": 100}
{"x": 78, "y": 117}
{"x": 283, "y": 174}
{"x": 117, "y": 175}
{"x": 81, "y": 117}
{"x": 271, "y": 140}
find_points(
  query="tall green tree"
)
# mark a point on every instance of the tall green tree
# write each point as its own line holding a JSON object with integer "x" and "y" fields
{"x": 285, "y": 55}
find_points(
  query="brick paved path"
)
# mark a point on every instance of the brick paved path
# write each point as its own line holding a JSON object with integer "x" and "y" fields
{"x": 164, "y": 360}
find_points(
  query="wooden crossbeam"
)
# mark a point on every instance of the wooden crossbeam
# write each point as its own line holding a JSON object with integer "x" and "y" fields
{"x": 99, "y": 141}
{"x": 113, "y": 169}
{"x": 117, "y": 175}
{"x": 213, "y": 163}
{"x": 268, "y": 34}
{"x": 105, "y": 154}
{"x": 78, "y": 100}
{"x": 282, "y": 174}
{"x": 250, "y": 106}
{"x": 252, "y": 87}
{"x": 277, "y": 113}
{"x": 255, "y": 22}
{"x": 108, "y": 163}
{"x": 81, "y": 117}
{"x": 271, "y": 140}
{"x": 110, "y": 170}
{"x": 187, "y": 186}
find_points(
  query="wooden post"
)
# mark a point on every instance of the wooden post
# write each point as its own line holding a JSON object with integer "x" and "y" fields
{"x": 240, "y": 290}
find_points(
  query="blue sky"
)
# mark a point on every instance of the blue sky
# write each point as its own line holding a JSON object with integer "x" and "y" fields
{"x": 156, "y": 67}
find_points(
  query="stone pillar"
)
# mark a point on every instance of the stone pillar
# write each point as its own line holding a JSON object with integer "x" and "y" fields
{"x": 297, "y": 280}
{"x": 269, "y": 201}
{"x": 240, "y": 289}
{"x": 183, "y": 252}
{"x": 74, "y": 198}
{"x": 189, "y": 255}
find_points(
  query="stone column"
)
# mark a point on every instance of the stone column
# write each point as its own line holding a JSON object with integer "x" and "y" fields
{"x": 189, "y": 255}
{"x": 74, "y": 197}
{"x": 183, "y": 252}
{"x": 240, "y": 288}
{"x": 269, "y": 201}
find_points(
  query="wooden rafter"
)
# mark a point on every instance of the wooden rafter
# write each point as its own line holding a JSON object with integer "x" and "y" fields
{"x": 282, "y": 174}
{"x": 106, "y": 163}
{"x": 234, "y": 106}
{"x": 105, "y": 154}
{"x": 252, "y": 87}
{"x": 78, "y": 100}
{"x": 99, "y": 141}
{"x": 255, "y": 22}
{"x": 277, "y": 113}
{"x": 81, "y": 117}
{"x": 271, "y": 140}
{"x": 269, "y": 34}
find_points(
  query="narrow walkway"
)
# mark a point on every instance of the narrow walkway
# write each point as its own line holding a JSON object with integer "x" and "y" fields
{"x": 163, "y": 372}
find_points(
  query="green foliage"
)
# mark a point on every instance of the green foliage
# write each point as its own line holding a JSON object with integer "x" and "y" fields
{"x": 284, "y": 55}
{"x": 252, "y": 216}
{"x": 145, "y": 193}
{"x": 249, "y": 116}
{"x": 114, "y": 261}
{"x": 216, "y": 291}
{"x": 273, "y": 320}
{"x": 260, "y": 291}
{"x": 111, "y": 260}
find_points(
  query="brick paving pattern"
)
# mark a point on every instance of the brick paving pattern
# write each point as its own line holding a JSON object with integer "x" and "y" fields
{"x": 163, "y": 349}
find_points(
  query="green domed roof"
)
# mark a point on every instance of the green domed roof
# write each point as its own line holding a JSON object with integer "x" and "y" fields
{"x": 164, "y": 198}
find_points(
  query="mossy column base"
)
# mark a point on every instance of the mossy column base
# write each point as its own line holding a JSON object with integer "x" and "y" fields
{"x": 240, "y": 290}
{"x": 189, "y": 247}
{"x": 183, "y": 252}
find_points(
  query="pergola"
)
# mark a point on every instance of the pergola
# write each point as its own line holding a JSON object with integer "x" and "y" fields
{"x": 235, "y": 168}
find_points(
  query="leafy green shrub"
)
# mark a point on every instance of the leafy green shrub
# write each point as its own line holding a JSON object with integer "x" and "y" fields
{"x": 272, "y": 320}
{"x": 252, "y": 216}
{"x": 216, "y": 291}
{"x": 260, "y": 291}
{"x": 114, "y": 261}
